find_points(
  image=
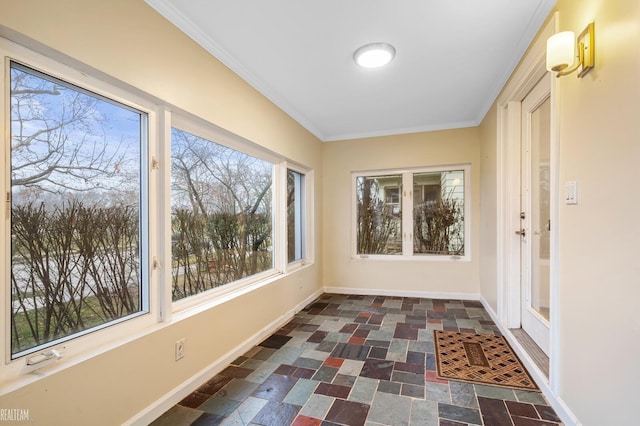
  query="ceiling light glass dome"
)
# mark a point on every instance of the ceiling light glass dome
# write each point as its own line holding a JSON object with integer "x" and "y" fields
{"x": 374, "y": 55}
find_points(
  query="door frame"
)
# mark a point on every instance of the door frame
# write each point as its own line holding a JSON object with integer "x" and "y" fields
{"x": 532, "y": 69}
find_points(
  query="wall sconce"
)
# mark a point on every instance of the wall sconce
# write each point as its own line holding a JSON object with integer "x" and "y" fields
{"x": 562, "y": 57}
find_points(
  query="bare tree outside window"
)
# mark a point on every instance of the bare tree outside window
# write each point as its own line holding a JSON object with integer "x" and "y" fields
{"x": 221, "y": 214}
{"x": 75, "y": 210}
{"x": 379, "y": 225}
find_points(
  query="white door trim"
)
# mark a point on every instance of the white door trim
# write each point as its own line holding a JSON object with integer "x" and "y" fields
{"x": 531, "y": 70}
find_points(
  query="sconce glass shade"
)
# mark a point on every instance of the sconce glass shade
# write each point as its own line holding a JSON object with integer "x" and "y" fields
{"x": 374, "y": 55}
{"x": 561, "y": 51}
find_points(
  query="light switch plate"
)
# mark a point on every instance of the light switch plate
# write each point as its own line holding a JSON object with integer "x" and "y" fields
{"x": 571, "y": 192}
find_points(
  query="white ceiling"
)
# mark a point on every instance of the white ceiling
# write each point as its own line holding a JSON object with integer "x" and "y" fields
{"x": 452, "y": 57}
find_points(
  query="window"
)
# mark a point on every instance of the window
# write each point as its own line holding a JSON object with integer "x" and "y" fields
{"x": 428, "y": 219}
{"x": 295, "y": 216}
{"x": 87, "y": 226}
{"x": 77, "y": 211}
{"x": 221, "y": 221}
{"x": 379, "y": 223}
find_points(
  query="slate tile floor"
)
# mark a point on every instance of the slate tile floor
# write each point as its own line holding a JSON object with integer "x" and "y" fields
{"x": 359, "y": 360}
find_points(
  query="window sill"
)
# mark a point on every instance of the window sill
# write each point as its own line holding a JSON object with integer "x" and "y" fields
{"x": 417, "y": 258}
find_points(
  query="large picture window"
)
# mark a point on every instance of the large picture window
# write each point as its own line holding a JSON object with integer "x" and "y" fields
{"x": 76, "y": 213}
{"x": 221, "y": 214}
{"x": 412, "y": 213}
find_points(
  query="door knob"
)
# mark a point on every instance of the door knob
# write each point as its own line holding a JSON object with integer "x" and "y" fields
{"x": 521, "y": 232}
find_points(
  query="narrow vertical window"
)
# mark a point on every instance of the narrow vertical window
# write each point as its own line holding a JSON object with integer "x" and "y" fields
{"x": 221, "y": 221}
{"x": 76, "y": 190}
{"x": 295, "y": 216}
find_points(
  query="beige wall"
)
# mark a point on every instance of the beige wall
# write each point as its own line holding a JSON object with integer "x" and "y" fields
{"x": 599, "y": 276}
{"x": 400, "y": 151}
{"x": 488, "y": 208}
{"x": 127, "y": 40}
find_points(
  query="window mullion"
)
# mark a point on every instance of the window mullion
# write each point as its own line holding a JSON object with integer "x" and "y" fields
{"x": 407, "y": 214}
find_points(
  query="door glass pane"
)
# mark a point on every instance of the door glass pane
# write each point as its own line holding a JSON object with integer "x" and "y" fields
{"x": 540, "y": 220}
{"x": 379, "y": 211}
{"x": 438, "y": 213}
{"x": 75, "y": 211}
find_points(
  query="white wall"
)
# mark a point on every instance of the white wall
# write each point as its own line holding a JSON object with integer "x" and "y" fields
{"x": 128, "y": 41}
{"x": 599, "y": 273}
{"x": 340, "y": 159}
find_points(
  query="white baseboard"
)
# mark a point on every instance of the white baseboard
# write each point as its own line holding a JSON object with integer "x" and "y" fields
{"x": 558, "y": 404}
{"x": 401, "y": 293}
{"x": 177, "y": 394}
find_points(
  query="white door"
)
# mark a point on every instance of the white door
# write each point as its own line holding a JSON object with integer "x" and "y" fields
{"x": 535, "y": 217}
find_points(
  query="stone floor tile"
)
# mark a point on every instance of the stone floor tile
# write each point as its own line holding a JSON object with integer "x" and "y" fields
{"x": 335, "y": 391}
{"x": 208, "y": 419}
{"x": 463, "y": 394}
{"x": 301, "y": 420}
{"x": 286, "y": 355}
{"x": 311, "y": 363}
{"x": 363, "y": 390}
{"x": 377, "y": 369}
{"x": 276, "y": 414}
{"x": 390, "y": 409}
{"x": 338, "y": 337}
{"x": 495, "y": 392}
{"x": 494, "y": 412}
{"x": 389, "y": 387}
{"x": 547, "y": 413}
{"x": 325, "y": 374}
{"x": 315, "y": 355}
{"x": 522, "y": 409}
{"x": 219, "y": 406}
{"x": 178, "y": 416}
{"x": 237, "y": 390}
{"x": 264, "y": 353}
{"x": 410, "y": 378}
{"x": 275, "y": 341}
{"x": 348, "y": 413}
{"x": 236, "y": 372}
{"x": 423, "y": 413}
{"x": 460, "y": 414}
{"x": 414, "y": 391}
{"x": 195, "y": 399}
{"x": 349, "y": 351}
{"x": 526, "y": 421}
{"x": 399, "y": 346}
{"x": 301, "y": 391}
{"x": 245, "y": 412}
{"x": 438, "y": 392}
{"x": 261, "y": 373}
{"x": 378, "y": 353}
{"x": 344, "y": 380}
{"x": 317, "y": 406}
{"x": 275, "y": 387}
{"x": 351, "y": 367}
{"x": 530, "y": 396}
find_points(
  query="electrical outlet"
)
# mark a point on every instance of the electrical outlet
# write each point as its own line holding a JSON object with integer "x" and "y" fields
{"x": 180, "y": 349}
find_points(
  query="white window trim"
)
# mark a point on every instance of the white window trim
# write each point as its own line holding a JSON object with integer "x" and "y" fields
{"x": 308, "y": 238}
{"x": 407, "y": 217}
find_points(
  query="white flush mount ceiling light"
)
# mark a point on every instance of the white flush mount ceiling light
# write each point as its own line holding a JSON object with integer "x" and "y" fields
{"x": 374, "y": 55}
